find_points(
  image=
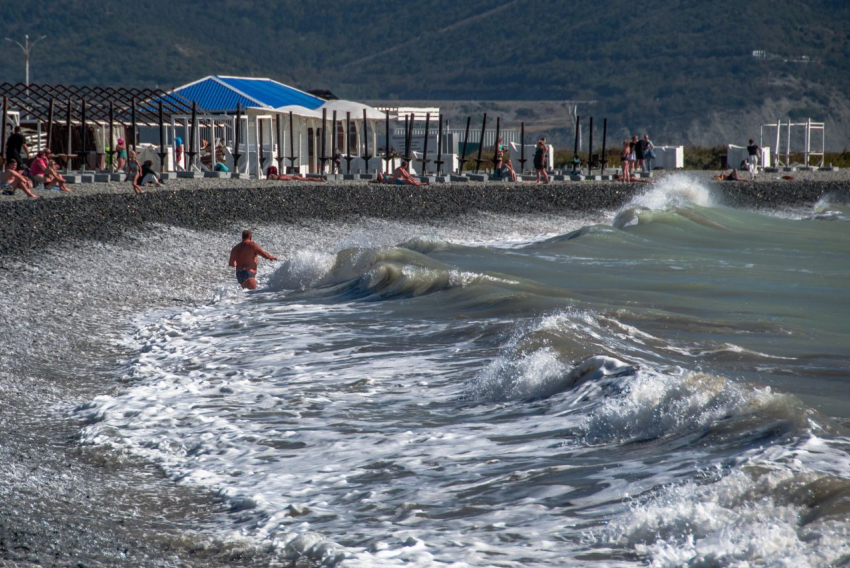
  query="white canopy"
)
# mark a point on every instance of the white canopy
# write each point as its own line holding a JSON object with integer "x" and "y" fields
{"x": 356, "y": 110}
{"x": 298, "y": 111}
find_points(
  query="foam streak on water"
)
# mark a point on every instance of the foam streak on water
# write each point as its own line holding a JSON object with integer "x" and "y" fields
{"x": 663, "y": 386}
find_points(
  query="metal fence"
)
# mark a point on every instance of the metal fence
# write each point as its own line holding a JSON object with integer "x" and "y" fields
{"x": 508, "y": 136}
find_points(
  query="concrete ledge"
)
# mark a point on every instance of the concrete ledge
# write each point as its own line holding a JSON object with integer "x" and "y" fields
{"x": 829, "y": 169}
{"x": 237, "y": 175}
{"x": 458, "y": 178}
{"x": 168, "y": 175}
{"x": 217, "y": 175}
{"x": 477, "y": 177}
{"x": 427, "y": 179}
{"x": 118, "y": 176}
{"x": 79, "y": 178}
{"x": 442, "y": 179}
{"x": 350, "y": 177}
{"x": 190, "y": 175}
{"x": 102, "y": 178}
{"x": 573, "y": 178}
{"x": 366, "y": 176}
{"x": 771, "y": 170}
{"x": 592, "y": 178}
{"x": 335, "y": 177}
{"x": 789, "y": 169}
{"x": 806, "y": 169}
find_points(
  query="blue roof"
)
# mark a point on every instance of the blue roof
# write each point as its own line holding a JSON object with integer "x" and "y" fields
{"x": 217, "y": 94}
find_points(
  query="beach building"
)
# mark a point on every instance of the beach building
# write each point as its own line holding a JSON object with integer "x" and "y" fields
{"x": 259, "y": 122}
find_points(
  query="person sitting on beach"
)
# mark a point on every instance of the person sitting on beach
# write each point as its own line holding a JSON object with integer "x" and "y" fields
{"x": 133, "y": 170}
{"x": 508, "y": 170}
{"x": 12, "y": 180}
{"x": 53, "y": 179}
{"x": 37, "y": 169}
{"x": 540, "y": 160}
{"x": 498, "y": 158}
{"x": 243, "y": 257}
{"x": 402, "y": 175}
{"x": 148, "y": 175}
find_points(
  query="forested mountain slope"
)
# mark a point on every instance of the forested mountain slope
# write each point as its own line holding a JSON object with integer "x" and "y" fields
{"x": 684, "y": 69}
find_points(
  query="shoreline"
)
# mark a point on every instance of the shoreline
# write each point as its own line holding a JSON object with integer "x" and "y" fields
{"x": 102, "y": 212}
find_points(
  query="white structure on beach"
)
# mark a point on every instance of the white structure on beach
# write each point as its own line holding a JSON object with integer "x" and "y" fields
{"x": 277, "y": 123}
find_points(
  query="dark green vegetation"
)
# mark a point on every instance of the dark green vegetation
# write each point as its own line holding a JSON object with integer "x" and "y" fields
{"x": 684, "y": 70}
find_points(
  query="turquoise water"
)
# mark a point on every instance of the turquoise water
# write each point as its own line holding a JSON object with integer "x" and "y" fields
{"x": 663, "y": 384}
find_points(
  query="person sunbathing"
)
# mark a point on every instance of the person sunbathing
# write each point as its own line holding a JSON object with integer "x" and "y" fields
{"x": 291, "y": 177}
{"x": 731, "y": 176}
{"x": 12, "y": 180}
{"x": 53, "y": 179}
{"x": 402, "y": 176}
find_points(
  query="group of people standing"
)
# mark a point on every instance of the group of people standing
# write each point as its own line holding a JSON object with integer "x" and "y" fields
{"x": 637, "y": 155}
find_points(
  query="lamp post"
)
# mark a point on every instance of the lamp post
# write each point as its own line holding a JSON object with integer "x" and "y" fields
{"x": 27, "y": 47}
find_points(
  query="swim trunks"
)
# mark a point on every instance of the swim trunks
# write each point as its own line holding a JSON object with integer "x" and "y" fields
{"x": 243, "y": 275}
{"x": 399, "y": 181}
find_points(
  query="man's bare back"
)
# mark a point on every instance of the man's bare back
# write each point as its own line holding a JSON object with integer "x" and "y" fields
{"x": 243, "y": 257}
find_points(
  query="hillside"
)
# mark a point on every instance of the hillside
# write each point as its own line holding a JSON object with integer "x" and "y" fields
{"x": 684, "y": 71}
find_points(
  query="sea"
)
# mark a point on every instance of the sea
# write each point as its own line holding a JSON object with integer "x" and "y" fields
{"x": 665, "y": 384}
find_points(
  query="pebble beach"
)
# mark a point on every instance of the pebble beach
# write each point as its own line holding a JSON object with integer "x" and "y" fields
{"x": 103, "y": 210}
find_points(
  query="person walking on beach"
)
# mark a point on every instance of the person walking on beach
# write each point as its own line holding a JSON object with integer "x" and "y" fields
{"x": 120, "y": 155}
{"x": 16, "y": 147}
{"x": 625, "y": 156}
{"x": 540, "y": 160}
{"x": 243, "y": 257}
{"x": 753, "y": 158}
{"x": 649, "y": 152}
{"x": 134, "y": 169}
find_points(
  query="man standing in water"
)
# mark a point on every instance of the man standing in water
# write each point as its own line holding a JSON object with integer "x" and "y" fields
{"x": 243, "y": 257}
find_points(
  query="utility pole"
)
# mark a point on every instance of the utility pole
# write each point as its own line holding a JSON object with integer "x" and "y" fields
{"x": 27, "y": 47}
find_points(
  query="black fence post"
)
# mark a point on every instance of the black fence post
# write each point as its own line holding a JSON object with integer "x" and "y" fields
{"x": 49, "y": 124}
{"x": 496, "y": 172}
{"x": 193, "y": 133}
{"x": 3, "y": 128}
{"x": 322, "y": 157}
{"x": 425, "y": 144}
{"x": 366, "y": 155}
{"x": 522, "y": 159}
{"x": 478, "y": 160}
{"x": 387, "y": 147}
{"x": 133, "y": 123}
{"x": 292, "y": 156}
{"x": 576, "y": 160}
{"x": 68, "y": 152}
{"x": 465, "y": 142}
{"x": 237, "y": 136}
{"x": 83, "y": 137}
{"x": 604, "y": 160}
{"x": 280, "y": 135}
{"x": 333, "y": 143}
{"x": 348, "y": 156}
{"x": 111, "y": 150}
{"x": 439, "y": 161}
{"x": 162, "y": 151}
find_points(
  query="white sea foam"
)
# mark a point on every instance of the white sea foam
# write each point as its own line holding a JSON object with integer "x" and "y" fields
{"x": 674, "y": 191}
